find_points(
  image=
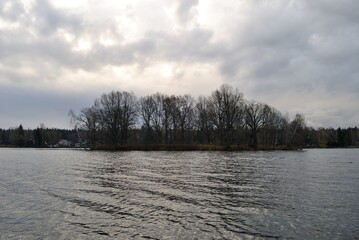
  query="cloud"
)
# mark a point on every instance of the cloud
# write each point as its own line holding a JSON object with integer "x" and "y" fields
{"x": 185, "y": 10}
{"x": 47, "y": 19}
{"x": 270, "y": 50}
{"x": 30, "y": 108}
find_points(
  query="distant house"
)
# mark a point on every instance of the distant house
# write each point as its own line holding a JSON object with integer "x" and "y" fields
{"x": 83, "y": 144}
{"x": 64, "y": 143}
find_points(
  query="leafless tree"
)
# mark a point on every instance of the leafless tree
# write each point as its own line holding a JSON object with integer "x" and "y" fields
{"x": 204, "y": 126}
{"x": 226, "y": 109}
{"x": 256, "y": 115}
{"x": 128, "y": 119}
{"x": 223, "y": 117}
{"x": 184, "y": 114}
{"x": 273, "y": 126}
{"x": 118, "y": 114}
{"x": 295, "y": 131}
{"x": 87, "y": 120}
{"x": 155, "y": 114}
{"x": 148, "y": 108}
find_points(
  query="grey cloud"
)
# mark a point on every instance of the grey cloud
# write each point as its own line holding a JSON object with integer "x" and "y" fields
{"x": 39, "y": 106}
{"x": 184, "y": 8}
{"x": 41, "y": 15}
{"x": 24, "y": 47}
{"x": 333, "y": 12}
{"x": 11, "y": 12}
{"x": 272, "y": 44}
{"x": 309, "y": 45}
{"x": 14, "y": 76}
{"x": 20, "y": 48}
{"x": 49, "y": 19}
{"x": 191, "y": 45}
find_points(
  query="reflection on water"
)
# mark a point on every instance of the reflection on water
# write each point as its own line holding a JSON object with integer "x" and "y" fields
{"x": 64, "y": 194}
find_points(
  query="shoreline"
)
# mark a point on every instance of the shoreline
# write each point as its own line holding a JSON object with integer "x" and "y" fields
{"x": 186, "y": 148}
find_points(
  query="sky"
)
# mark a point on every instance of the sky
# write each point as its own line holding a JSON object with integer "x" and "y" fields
{"x": 295, "y": 55}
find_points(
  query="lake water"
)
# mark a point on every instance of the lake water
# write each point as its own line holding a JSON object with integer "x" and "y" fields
{"x": 74, "y": 194}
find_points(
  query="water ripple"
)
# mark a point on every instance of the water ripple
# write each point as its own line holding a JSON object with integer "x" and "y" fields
{"x": 182, "y": 195}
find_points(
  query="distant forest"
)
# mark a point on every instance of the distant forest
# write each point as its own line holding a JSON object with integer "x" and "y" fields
{"x": 222, "y": 121}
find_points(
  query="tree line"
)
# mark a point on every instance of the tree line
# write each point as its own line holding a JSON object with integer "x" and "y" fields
{"x": 40, "y": 137}
{"x": 222, "y": 120}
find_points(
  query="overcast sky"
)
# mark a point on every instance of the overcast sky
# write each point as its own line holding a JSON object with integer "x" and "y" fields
{"x": 298, "y": 56}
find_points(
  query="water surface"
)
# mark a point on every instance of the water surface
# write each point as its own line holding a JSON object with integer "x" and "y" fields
{"x": 66, "y": 194}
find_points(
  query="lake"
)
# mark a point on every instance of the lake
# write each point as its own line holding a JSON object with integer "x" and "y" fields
{"x": 75, "y": 194}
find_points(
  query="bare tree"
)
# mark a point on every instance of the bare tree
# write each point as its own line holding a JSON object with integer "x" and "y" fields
{"x": 109, "y": 113}
{"x": 168, "y": 124}
{"x": 88, "y": 120}
{"x": 155, "y": 114}
{"x": 224, "y": 117}
{"x": 226, "y": 110}
{"x": 147, "y": 113}
{"x": 184, "y": 113}
{"x": 273, "y": 126}
{"x": 128, "y": 119}
{"x": 204, "y": 126}
{"x": 295, "y": 131}
{"x": 118, "y": 114}
{"x": 256, "y": 115}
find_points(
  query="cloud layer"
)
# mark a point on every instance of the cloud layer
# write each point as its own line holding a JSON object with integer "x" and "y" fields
{"x": 299, "y": 56}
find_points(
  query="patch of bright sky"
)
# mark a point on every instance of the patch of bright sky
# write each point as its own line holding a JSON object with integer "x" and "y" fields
{"x": 69, "y": 3}
{"x": 82, "y": 44}
{"x": 7, "y": 6}
{"x": 221, "y": 17}
{"x": 5, "y": 25}
{"x": 133, "y": 19}
{"x": 66, "y": 35}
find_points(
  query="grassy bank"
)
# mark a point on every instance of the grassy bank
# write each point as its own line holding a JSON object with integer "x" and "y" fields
{"x": 189, "y": 147}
